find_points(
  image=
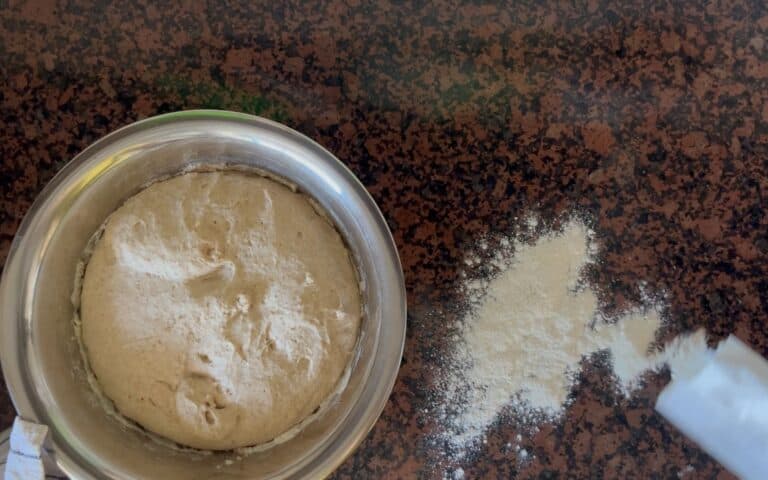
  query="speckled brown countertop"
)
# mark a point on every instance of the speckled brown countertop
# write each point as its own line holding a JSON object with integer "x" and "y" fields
{"x": 649, "y": 117}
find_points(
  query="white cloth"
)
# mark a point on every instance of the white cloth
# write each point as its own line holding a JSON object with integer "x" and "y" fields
{"x": 23, "y": 454}
{"x": 721, "y": 403}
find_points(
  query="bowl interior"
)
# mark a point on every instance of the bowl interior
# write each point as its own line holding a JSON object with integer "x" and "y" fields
{"x": 48, "y": 382}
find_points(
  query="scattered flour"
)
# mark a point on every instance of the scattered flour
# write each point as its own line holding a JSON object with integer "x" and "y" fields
{"x": 528, "y": 329}
{"x": 686, "y": 471}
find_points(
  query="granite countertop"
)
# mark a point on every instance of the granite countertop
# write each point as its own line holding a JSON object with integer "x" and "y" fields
{"x": 649, "y": 118}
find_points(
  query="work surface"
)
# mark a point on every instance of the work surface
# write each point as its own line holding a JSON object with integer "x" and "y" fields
{"x": 649, "y": 118}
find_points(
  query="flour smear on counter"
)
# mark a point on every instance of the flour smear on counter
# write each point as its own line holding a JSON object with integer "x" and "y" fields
{"x": 528, "y": 328}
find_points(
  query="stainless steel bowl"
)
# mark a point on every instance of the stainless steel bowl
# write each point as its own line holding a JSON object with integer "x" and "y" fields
{"x": 41, "y": 362}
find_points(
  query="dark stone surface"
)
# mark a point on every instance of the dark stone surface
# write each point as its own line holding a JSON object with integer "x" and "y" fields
{"x": 648, "y": 117}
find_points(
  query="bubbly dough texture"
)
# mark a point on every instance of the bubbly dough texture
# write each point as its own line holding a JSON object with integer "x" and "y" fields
{"x": 219, "y": 309}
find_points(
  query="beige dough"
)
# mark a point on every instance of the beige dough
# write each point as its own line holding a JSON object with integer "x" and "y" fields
{"x": 219, "y": 309}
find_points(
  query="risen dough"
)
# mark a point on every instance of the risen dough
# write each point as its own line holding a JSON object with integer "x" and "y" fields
{"x": 219, "y": 309}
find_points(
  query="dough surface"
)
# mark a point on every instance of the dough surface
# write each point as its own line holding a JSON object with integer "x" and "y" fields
{"x": 219, "y": 309}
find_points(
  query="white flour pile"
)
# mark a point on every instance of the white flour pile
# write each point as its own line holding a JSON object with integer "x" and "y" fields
{"x": 529, "y": 329}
